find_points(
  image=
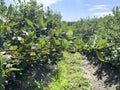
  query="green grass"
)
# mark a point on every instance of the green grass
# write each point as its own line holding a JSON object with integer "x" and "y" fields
{"x": 69, "y": 75}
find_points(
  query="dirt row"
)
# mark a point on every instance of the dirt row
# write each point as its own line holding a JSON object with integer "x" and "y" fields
{"x": 102, "y": 76}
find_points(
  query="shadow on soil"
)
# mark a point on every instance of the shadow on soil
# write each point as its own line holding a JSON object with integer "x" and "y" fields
{"x": 105, "y": 69}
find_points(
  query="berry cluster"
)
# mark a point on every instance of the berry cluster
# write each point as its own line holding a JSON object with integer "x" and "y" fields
{"x": 37, "y": 30}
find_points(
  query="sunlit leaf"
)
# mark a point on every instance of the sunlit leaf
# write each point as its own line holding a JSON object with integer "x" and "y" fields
{"x": 13, "y": 47}
{"x": 101, "y": 43}
{"x": 29, "y": 22}
{"x": 100, "y": 56}
{"x": 41, "y": 43}
{"x": 8, "y": 28}
{"x": 1, "y": 61}
{"x": 12, "y": 69}
{"x": 32, "y": 53}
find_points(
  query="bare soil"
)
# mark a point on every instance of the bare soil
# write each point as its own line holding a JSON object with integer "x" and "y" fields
{"x": 102, "y": 76}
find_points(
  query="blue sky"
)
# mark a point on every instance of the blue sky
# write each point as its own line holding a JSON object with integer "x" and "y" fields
{"x": 73, "y": 10}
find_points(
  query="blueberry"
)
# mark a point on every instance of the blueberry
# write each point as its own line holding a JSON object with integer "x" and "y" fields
{"x": 20, "y": 73}
{"x": 23, "y": 35}
{"x": 12, "y": 76}
{"x": 18, "y": 63}
{"x": 35, "y": 61}
{"x": 6, "y": 82}
{"x": 32, "y": 65}
{"x": 37, "y": 34}
{"x": 1, "y": 42}
{"x": 37, "y": 31}
{"x": 35, "y": 26}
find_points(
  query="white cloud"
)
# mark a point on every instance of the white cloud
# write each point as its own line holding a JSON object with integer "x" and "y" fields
{"x": 98, "y": 7}
{"x": 102, "y": 14}
{"x": 45, "y": 2}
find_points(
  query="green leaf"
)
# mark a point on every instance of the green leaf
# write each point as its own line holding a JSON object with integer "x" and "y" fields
{"x": 9, "y": 65}
{"x": 41, "y": 43}
{"x": 10, "y": 10}
{"x": 22, "y": 40}
{"x": 69, "y": 34}
{"x": 65, "y": 43}
{"x": 12, "y": 69}
{"x": 41, "y": 22}
{"x": 8, "y": 28}
{"x": 31, "y": 33}
{"x": 1, "y": 61}
{"x": 101, "y": 43}
{"x": 4, "y": 59}
{"x": 57, "y": 42}
{"x": 32, "y": 53}
{"x": 0, "y": 58}
{"x": 13, "y": 47}
{"x": 1, "y": 79}
{"x": 79, "y": 41}
{"x": 29, "y": 22}
{"x": 100, "y": 56}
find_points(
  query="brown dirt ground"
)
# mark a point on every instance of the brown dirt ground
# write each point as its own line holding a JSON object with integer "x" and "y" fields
{"x": 102, "y": 76}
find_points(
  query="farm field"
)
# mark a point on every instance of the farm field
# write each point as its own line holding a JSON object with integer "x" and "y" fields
{"x": 40, "y": 51}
